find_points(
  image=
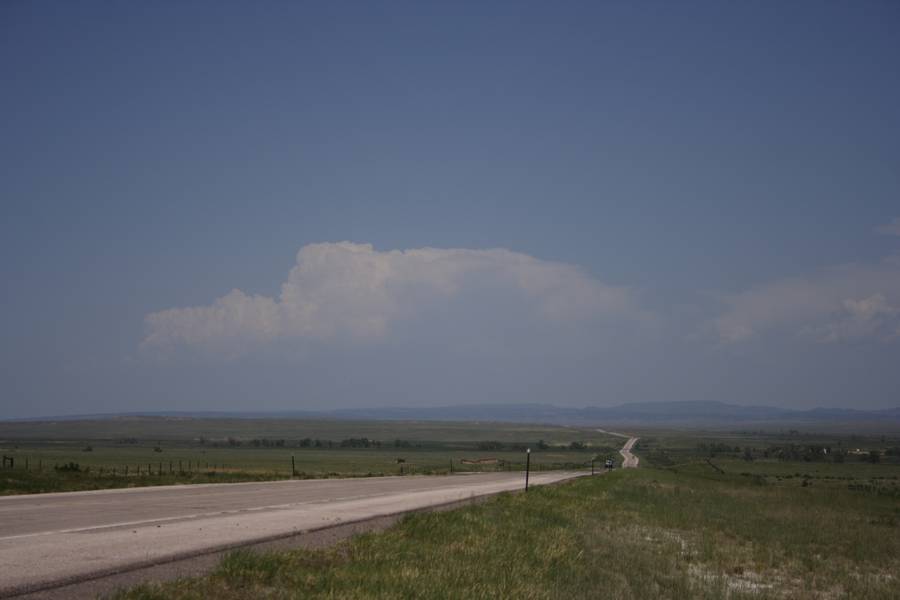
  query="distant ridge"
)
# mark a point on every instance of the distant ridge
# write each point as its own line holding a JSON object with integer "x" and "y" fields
{"x": 681, "y": 413}
{"x": 685, "y": 413}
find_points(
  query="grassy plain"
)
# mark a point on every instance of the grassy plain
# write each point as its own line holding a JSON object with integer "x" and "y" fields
{"x": 679, "y": 532}
{"x": 180, "y": 429}
{"x": 129, "y": 452}
{"x": 742, "y": 514}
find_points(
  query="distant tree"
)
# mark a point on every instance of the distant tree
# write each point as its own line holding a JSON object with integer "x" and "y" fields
{"x": 577, "y": 446}
{"x": 490, "y": 445}
{"x": 874, "y": 456}
{"x": 363, "y": 442}
{"x": 542, "y": 445}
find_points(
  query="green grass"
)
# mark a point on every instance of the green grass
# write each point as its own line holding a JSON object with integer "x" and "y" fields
{"x": 19, "y": 481}
{"x": 222, "y": 450}
{"x": 643, "y": 533}
{"x": 181, "y": 429}
{"x": 337, "y": 460}
{"x": 251, "y": 465}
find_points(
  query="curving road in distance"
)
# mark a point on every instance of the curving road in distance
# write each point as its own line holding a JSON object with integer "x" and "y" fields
{"x": 629, "y": 460}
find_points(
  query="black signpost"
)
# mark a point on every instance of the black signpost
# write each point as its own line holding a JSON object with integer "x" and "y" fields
{"x": 527, "y": 466}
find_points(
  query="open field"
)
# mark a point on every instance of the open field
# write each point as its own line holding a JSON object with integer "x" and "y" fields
{"x": 785, "y": 452}
{"x": 181, "y": 429}
{"x": 745, "y": 514}
{"x": 81, "y": 455}
{"x": 683, "y": 532}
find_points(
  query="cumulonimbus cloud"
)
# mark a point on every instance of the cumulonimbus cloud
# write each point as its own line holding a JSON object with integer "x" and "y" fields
{"x": 352, "y": 291}
{"x": 843, "y": 303}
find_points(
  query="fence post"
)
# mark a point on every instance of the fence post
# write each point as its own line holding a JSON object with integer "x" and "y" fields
{"x": 293, "y": 467}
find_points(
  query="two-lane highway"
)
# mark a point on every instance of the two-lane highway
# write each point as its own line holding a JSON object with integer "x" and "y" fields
{"x": 49, "y": 539}
{"x": 629, "y": 460}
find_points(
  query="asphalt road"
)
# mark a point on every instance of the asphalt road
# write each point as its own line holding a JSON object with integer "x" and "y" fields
{"x": 629, "y": 460}
{"x": 51, "y": 539}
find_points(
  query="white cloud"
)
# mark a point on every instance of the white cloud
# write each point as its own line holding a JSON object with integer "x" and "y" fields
{"x": 351, "y": 291}
{"x": 866, "y": 318}
{"x": 892, "y": 228}
{"x": 848, "y": 302}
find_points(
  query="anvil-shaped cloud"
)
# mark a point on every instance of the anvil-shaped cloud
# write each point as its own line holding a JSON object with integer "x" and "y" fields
{"x": 351, "y": 291}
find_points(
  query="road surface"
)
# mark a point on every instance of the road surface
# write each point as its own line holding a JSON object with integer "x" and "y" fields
{"x": 51, "y": 539}
{"x": 629, "y": 460}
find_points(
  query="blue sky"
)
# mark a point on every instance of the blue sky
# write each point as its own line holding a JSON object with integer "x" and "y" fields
{"x": 694, "y": 202}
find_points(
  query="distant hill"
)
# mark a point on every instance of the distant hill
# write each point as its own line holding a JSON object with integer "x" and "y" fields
{"x": 649, "y": 413}
{"x": 690, "y": 413}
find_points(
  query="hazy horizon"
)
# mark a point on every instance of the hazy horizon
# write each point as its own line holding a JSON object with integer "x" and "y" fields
{"x": 265, "y": 207}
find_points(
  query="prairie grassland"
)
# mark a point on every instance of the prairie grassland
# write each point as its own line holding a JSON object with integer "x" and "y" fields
{"x": 182, "y": 429}
{"x": 168, "y": 451}
{"x": 105, "y": 468}
{"x": 646, "y": 533}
